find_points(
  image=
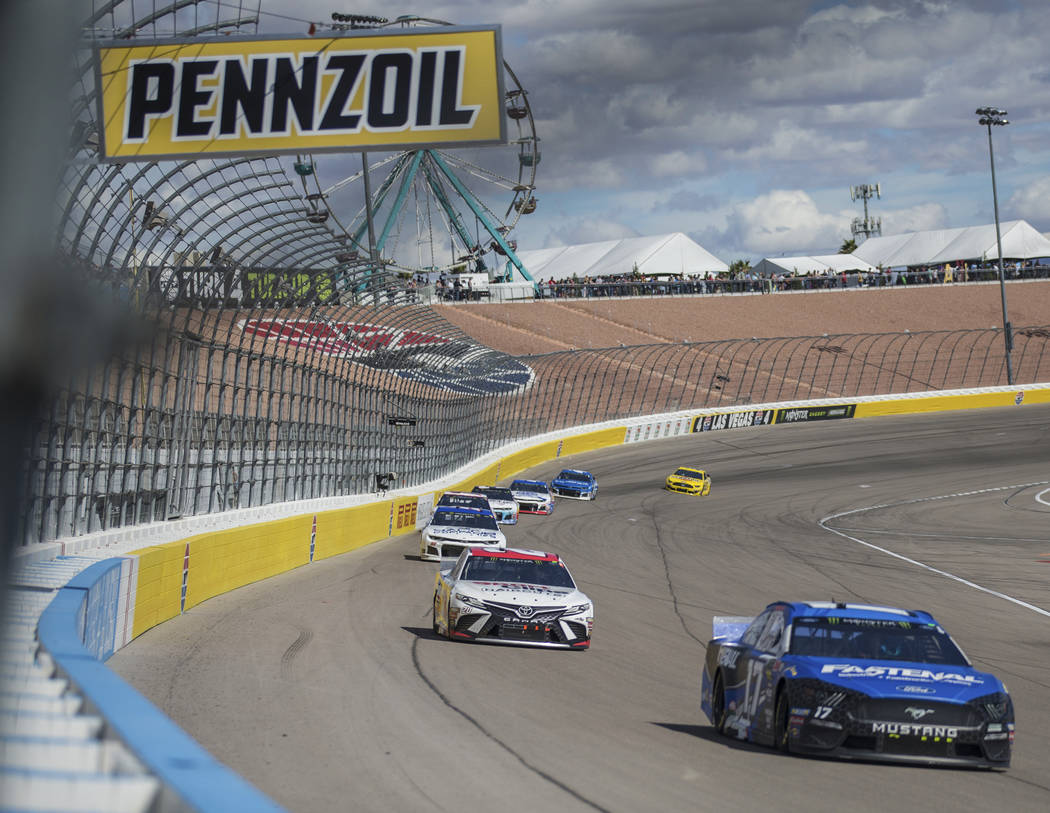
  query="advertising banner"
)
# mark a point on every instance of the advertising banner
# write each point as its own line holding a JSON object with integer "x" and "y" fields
{"x": 360, "y": 90}
{"x": 656, "y": 429}
{"x": 815, "y": 413}
{"x": 733, "y": 420}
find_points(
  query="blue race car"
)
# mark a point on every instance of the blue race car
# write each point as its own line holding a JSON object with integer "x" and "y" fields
{"x": 854, "y": 681}
{"x": 575, "y": 484}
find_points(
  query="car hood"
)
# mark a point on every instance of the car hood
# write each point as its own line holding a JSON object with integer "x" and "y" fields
{"x": 681, "y": 477}
{"x": 528, "y": 594}
{"x": 502, "y": 504}
{"x": 459, "y": 532}
{"x": 530, "y": 495}
{"x": 898, "y": 679}
{"x": 571, "y": 483}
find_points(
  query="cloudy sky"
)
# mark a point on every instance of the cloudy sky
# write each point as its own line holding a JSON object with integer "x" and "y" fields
{"x": 744, "y": 123}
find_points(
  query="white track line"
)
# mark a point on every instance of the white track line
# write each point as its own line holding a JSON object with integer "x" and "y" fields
{"x": 930, "y": 568}
{"x": 1039, "y": 496}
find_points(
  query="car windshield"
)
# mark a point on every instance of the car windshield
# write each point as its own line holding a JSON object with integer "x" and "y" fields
{"x": 495, "y": 493}
{"x": 687, "y": 473}
{"x": 466, "y": 500}
{"x": 874, "y": 639}
{"x": 464, "y": 519}
{"x": 517, "y": 571}
{"x": 576, "y": 476}
{"x": 523, "y": 485}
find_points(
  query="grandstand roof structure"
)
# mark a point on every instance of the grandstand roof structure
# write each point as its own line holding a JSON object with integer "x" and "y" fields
{"x": 804, "y": 266}
{"x": 1021, "y": 241}
{"x": 658, "y": 255}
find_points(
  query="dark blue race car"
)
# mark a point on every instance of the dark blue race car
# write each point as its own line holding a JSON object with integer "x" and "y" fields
{"x": 854, "y": 681}
{"x": 575, "y": 484}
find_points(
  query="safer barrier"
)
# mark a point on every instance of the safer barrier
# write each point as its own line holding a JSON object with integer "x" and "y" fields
{"x": 78, "y": 629}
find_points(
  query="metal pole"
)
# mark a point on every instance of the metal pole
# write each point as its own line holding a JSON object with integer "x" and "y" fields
{"x": 1007, "y": 332}
{"x": 369, "y": 213}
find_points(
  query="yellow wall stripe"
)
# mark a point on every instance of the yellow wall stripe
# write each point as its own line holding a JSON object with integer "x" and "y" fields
{"x": 349, "y": 528}
{"x": 945, "y": 403}
{"x": 593, "y": 440}
{"x": 159, "y": 585}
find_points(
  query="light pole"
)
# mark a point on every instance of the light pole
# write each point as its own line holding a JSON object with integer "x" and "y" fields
{"x": 988, "y": 117}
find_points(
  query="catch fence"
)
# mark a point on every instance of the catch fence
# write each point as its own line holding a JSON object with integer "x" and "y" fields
{"x": 333, "y": 401}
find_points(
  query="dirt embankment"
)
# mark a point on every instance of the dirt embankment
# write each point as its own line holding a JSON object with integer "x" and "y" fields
{"x": 546, "y": 326}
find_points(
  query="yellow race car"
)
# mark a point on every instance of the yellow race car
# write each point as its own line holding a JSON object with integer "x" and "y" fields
{"x": 687, "y": 480}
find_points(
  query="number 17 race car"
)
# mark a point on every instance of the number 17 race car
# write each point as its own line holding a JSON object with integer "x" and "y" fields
{"x": 857, "y": 682}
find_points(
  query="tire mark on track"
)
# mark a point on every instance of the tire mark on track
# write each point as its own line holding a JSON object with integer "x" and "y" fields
{"x": 811, "y": 561}
{"x": 648, "y": 511}
{"x": 493, "y": 738}
{"x": 305, "y": 636}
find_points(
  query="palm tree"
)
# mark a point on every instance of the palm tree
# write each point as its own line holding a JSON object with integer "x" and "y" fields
{"x": 848, "y": 246}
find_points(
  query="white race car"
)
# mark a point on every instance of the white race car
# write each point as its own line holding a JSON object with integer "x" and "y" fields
{"x": 502, "y": 503}
{"x": 463, "y": 499}
{"x": 532, "y": 496}
{"x": 452, "y": 529}
{"x": 511, "y": 596}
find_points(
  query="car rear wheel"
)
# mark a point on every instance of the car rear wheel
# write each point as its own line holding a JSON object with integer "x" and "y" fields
{"x": 718, "y": 704}
{"x": 783, "y": 710}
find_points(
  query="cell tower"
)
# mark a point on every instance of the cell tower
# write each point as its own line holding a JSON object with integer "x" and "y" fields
{"x": 868, "y": 225}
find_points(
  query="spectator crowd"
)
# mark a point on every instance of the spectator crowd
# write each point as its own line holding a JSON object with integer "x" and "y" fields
{"x": 748, "y": 281}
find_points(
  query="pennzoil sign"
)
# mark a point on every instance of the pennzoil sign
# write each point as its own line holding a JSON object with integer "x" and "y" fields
{"x": 438, "y": 86}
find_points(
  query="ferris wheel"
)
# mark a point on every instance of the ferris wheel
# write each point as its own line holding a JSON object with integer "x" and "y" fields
{"x": 435, "y": 210}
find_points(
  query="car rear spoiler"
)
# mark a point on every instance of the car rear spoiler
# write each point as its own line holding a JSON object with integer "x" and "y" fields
{"x": 730, "y": 626}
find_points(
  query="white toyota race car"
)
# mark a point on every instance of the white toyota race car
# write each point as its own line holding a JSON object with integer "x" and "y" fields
{"x": 452, "y": 529}
{"x": 511, "y": 596}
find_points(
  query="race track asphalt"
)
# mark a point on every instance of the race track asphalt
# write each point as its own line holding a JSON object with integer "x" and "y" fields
{"x": 326, "y": 688}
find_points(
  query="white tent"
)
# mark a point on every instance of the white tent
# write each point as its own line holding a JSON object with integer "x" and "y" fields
{"x": 658, "y": 255}
{"x": 968, "y": 244}
{"x": 803, "y": 266}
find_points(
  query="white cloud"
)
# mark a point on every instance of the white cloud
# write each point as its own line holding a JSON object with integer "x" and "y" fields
{"x": 587, "y": 230}
{"x": 1032, "y": 202}
{"x": 785, "y": 220}
{"x": 677, "y": 164}
{"x": 917, "y": 218}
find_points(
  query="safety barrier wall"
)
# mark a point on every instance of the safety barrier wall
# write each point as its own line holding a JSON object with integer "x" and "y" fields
{"x": 78, "y": 630}
{"x": 92, "y": 616}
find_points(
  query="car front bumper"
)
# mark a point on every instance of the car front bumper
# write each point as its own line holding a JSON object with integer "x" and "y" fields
{"x": 501, "y": 626}
{"x": 684, "y": 488}
{"x": 571, "y": 493}
{"x": 535, "y": 508}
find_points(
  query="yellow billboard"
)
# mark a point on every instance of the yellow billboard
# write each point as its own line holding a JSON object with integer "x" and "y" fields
{"x": 358, "y": 91}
